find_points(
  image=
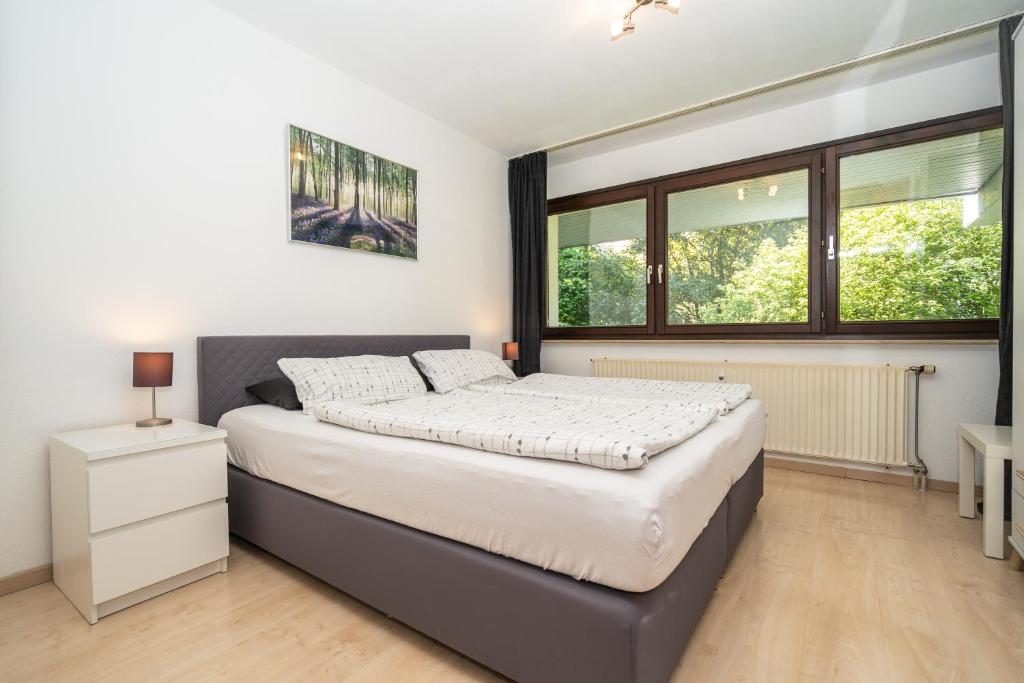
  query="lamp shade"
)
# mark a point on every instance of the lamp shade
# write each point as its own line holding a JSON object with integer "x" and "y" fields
{"x": 152, "y": 369}
{"x": 510, "y": 350}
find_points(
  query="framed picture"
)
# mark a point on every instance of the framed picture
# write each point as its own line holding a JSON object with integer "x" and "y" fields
{"x": 344, "y": 197}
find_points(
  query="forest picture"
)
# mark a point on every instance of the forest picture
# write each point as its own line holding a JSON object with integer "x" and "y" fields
{"x": 344, "y": 197}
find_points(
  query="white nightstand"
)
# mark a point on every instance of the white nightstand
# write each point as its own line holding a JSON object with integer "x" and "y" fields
{"x": 137, "y": 511}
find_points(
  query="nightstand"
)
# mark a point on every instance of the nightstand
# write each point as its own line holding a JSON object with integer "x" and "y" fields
{"x": 137, "y": 511}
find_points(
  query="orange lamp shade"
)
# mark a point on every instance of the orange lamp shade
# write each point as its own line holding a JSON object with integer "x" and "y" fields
{"x": 510, "y": 351}
{"x": 152, "y": 369}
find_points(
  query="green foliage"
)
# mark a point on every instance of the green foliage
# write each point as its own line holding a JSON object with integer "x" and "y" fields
{"x": 707, "y": 272}
{"x": 916, "y": 261}
{"x": 907, "y": 261}
{"x": 602, "y": 284}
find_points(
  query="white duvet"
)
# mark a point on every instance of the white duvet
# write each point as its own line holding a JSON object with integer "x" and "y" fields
{"x": 722, "y": 396}
{"x": 618, "y": 435}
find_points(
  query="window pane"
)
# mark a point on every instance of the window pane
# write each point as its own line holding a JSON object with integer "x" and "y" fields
{"x": 920, "y": 230}
{"x": 597, "y": 266}
{"x": 737, "y": 252}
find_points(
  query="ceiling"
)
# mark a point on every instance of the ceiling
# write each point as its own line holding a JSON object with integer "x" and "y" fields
{"x": 520, "y": 75}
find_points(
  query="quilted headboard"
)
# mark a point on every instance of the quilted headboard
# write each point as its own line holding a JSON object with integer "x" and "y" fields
{"x": 229, "y": 364}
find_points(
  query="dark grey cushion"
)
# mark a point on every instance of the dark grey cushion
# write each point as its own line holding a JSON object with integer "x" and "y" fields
{"x": 279, "y": 391}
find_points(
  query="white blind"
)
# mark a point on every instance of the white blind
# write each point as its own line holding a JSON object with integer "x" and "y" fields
{"x": 611, "y": 223}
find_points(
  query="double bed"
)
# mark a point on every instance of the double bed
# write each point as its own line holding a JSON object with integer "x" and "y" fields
{"x": 541, "y": 570}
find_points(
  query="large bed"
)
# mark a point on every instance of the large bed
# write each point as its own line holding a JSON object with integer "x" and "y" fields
{"x": 541, "y": 570}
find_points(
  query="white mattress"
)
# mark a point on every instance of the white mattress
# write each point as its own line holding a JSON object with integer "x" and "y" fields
{"x": 623, "y": 529}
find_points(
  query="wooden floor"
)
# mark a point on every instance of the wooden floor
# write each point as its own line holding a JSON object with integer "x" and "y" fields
{"x": 836, "y": 579}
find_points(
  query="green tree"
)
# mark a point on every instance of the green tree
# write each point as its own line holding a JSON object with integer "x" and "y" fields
{"x": 602, "y": 285}
{"x": 916, "y": 261}
{"x": 702, "y": 264}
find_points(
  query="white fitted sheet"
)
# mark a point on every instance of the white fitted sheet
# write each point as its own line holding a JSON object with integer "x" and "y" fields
{"x": 623, "y": 529}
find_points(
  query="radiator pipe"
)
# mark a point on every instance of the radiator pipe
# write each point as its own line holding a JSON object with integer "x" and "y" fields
{"x": 919, "y": 467}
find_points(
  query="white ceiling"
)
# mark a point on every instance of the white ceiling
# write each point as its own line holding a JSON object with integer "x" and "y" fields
{"x": 520, "y": 75}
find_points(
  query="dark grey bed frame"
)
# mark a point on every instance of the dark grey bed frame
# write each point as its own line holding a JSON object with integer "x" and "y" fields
{"x": 518, "y": 619}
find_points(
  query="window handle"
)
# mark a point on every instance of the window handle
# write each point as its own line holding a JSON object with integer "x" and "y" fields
{"x": 831, "y": 248}
{"x": 650, "y": 269}
{"x": 661, "y": 273}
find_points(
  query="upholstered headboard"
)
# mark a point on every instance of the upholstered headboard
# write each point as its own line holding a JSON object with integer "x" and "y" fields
{"x": 229, "y": 364}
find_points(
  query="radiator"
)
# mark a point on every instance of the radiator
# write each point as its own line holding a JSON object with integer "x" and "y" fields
{"x": 845, "y": 412}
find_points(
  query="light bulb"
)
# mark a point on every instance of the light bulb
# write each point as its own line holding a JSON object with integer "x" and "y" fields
{"x": 622, "y": 27}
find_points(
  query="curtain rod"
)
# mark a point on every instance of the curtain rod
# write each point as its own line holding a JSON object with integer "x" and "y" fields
{"x": 897, "y": 50}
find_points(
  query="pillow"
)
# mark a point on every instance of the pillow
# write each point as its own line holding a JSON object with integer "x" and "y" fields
{"x": 448, "y": 370}
{"x": 360, "y": 379}
{"x": 278, "y": 392}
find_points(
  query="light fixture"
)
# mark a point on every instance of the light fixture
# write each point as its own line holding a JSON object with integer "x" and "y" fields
{"x": 621, "y": 27}
{"x": 152, "y": 370}
{"x": 740, "y": 193}
{"x": 625, "y": 25}
{"x": 773, "y": 190}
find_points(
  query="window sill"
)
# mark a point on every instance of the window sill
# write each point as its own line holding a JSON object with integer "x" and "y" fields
{"x": 792, "y": 340}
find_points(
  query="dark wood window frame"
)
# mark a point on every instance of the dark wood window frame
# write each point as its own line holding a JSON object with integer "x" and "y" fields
{"x": 822, "y": 162}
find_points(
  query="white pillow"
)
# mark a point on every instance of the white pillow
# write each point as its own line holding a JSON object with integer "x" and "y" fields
{"x": 360, "y": 379}
{"x": 448, "y": 370}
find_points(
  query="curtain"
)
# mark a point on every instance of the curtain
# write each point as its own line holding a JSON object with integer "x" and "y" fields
{"x": 1004, "y": 396}
{"x": 528, "y": 209}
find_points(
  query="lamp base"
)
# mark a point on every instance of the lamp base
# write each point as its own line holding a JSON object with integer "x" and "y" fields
{"x": 153, "y": 422}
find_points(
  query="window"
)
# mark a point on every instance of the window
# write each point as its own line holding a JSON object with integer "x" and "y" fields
{"x": 920, "y": 230}
{"x": 597, "y": 275}
{"x": 891, "y": 235}
{"x": 738, "y": 252}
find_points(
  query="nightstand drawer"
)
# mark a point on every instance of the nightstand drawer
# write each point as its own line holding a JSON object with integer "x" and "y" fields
{"x": 124, "y": 560}
{"x": 136, "y": 487}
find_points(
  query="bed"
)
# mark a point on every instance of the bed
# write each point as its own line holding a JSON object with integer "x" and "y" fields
{"x": 477, "y": 592}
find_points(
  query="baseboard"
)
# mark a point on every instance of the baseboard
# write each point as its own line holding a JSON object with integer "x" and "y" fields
{"x": 26, "y": 579}
{"x": 893, "y": 478}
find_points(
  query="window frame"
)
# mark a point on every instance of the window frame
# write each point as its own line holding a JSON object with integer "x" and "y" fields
{"x": 963, "y": 329}
{"x": 589, "y": 201}
{"x": 751, "y": 170}
{"x": 822, "y": 162}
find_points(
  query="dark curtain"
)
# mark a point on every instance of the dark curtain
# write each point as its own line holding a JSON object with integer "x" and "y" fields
{"x": 1004, "y": 397}
{"x": 528, "y": 208}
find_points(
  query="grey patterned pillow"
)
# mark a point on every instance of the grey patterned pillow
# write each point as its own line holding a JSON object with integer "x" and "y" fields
{"x": 360, "y": 379}
{"x": 449, "y": 370}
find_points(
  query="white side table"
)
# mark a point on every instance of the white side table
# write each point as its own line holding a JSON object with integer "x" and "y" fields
{"x": 137, "y": 511}
{"x": 994, "y": 444}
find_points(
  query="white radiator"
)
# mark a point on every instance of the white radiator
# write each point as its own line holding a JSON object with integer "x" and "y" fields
{"x": 846, "y": 412}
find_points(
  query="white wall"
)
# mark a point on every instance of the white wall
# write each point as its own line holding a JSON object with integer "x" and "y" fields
{"x": 945, "y": 83}
{"x": 143, "y": 192}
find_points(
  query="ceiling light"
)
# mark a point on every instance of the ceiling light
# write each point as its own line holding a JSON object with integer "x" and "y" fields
{"x": 621, "y": 27}
{"x": 625, "y": 25}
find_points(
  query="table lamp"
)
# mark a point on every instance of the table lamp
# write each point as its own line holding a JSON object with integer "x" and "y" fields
{"x": 152, "y": 370}
{"x": 510, "y": 351}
